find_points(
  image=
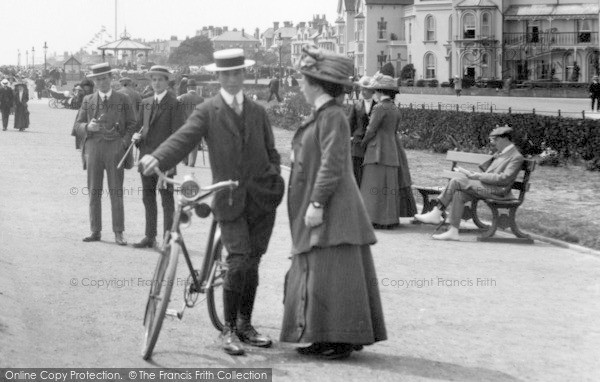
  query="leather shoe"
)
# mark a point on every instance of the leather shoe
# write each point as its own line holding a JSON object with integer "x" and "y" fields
{"x": 337, "y": 351}
{"x": 231, "y": 344}
{"x": 314, "y": 349}
{"x": 119, "y": 239}
{"x": 95, "y": 236}
{"x": 247, "y": 334}
{"x": 146, "y": 242}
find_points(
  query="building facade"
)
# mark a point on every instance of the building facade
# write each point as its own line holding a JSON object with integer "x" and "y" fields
{"x": 479, "y": 39}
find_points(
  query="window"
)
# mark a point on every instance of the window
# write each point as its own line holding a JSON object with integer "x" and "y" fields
{"x": 382, "y": 30}
{"x": 584, "y": 31}
{"x": 429, "y": 28}
{"x": 429, "y": 65}
{"x": 409, "y": 32}
{"x": 485, "y": 25}
{"x": 358, "y": 34}
{"x": 402, "y": 30}
{"x": 469, "y": 26}
{"x": 485, "y": 67}
{"x": 450, "y": 28}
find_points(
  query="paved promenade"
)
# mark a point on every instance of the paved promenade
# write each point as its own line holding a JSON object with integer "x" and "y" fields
{"x": 460, "y": 311}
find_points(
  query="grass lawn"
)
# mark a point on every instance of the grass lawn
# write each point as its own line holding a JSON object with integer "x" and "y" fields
{"x": 561, "y": 203}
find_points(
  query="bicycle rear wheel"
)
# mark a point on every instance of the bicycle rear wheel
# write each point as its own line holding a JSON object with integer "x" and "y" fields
{"x": 214, "y": 290}
{"x": 160, "y": 294}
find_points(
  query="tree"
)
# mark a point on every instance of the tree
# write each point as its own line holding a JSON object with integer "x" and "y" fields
{"x": 408, "y": 72}
{"x": 265, "y": 58}
{"x": 197, "y": 50}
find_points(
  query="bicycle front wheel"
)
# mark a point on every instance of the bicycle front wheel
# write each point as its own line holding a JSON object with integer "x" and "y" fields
{"x": 214, "y": 288}
{"x": 160, "y": 294}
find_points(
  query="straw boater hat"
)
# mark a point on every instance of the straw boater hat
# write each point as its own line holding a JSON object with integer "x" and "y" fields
{"x": 159, "y": 69}
{"x": 100, "y": 69}
{"x": 364, "y": 82}
{"x": 229, "y": 59}
{"x": 501, "y": 130}
{"x": 326, "y": 66}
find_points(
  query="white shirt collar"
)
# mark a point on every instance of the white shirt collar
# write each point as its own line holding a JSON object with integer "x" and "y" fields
{"x": 322, "y": 100}
{"x": 229, "y": 97}
{"x": 159, "y": 97}
{"x": 507, "y": 148}
{"x": 102, "y": 95}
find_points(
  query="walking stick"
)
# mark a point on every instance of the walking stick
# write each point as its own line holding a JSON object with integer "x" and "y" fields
{"x": 203, "y": 160}
{"x": 122, "y": 162}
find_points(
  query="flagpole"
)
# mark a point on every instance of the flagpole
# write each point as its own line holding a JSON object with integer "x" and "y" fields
{"x": 115, "y": 36}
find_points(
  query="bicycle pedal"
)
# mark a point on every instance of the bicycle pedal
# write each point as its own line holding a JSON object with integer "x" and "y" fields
{"x": 174, "y": 313}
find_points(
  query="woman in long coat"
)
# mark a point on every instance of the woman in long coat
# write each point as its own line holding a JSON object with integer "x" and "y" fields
{"x": 331, "y": 295}
{"x": 379, "y": 186}
{"x": 21, "y": 112}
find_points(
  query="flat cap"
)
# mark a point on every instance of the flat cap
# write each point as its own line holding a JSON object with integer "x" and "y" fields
{"x": 501, "y": 130}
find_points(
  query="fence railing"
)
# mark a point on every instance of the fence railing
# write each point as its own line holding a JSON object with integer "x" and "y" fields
{"x": 552, "y": 38}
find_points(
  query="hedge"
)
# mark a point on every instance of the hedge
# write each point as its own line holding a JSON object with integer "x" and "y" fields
{"x": 442, "y": 130}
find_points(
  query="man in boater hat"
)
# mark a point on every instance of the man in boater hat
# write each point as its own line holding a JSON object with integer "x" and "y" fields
{"x": 105, "y": 124}
{"x": 241, "y": 147}
{"x": 160, "y": 116}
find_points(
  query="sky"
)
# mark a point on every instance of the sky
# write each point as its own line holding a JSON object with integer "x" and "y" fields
{"x": 68, "y": 25}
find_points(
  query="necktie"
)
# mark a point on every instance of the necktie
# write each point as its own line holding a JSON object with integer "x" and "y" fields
{"x": 105, "y": 103}
{"x": 236, "y": 106}
{"x": 154, "y": 107}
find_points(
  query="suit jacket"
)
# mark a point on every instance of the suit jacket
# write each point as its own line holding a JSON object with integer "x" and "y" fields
{"x": 189, "y": 101}
{"x": 160, "y": 124}
{"x": 359, "y": 120}
{"x": 6, "y": 98}
{"x": 322, "y": 172}
{"x": 119, "y": 114}
{"x": 274, "y": 85}
{"x": 240, "y": 148}
{"x": 380, "y": 138}
{"x": 135, "y": 97}
{"x": 501, "y": 171}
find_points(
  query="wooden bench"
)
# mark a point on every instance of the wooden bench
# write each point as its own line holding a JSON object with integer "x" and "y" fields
{"x": 507, "y": 206}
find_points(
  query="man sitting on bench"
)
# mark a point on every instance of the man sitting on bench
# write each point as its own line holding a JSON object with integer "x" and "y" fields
{"x": 494, "y": 183}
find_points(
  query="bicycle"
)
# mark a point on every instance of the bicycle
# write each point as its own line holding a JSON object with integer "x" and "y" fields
{"x": 208, "y": 279}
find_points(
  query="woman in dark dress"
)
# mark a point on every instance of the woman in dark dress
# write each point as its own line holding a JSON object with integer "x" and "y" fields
{"x": 331, "y": 300}
{"x": 21, "y": 112}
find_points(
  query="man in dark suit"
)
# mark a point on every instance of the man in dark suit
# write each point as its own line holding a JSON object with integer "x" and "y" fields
{"x": 161, "y": 115}
{"x": 189, "y": 101}
{"x": 241, "y": 146}
{"x": 594, "y": 90}
{"x": 105, "y": 124}
{"x": 494, "y": 182}
{"x": 274, "y": 89}
{"x": 359, "y": 120}
{"x": 6, "y": 102}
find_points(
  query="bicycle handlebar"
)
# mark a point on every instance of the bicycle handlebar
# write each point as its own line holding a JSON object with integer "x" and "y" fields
{"x": 231, "y": 184}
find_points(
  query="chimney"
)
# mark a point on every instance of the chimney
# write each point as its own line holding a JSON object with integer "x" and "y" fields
{"x": 243, "y": 32}
{"x": 225, "y": 29}
{"x": 173, "y": 38}
{"x": 257, "y": 34}
{"x": 302, "y": 24}
{"x": 276, "y": 25}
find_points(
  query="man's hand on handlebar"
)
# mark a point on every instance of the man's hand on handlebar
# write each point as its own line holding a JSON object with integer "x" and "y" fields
{"x": 147, "y": 165}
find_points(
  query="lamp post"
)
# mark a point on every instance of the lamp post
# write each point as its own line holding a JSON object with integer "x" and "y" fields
{"x": 280, "y": 46}
{"x": 33, "y": 58}
{"x": 45, "y": 50}
{"x": 19, "y": 58}
{"x": 26, "y": 59}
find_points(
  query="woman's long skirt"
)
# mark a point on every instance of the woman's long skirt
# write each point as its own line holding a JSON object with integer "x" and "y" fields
{"x": 21, "y": 117}
{"x": 331, "y": 295}
{"x": 406, "y": 199}
{"x": 379, "y": 190}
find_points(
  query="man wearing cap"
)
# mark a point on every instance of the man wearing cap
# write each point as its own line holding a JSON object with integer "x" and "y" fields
{"x": 241, "y": 147}
{"x": 359, "y": 120}
{"x": 594, "y": 90}
{"x": 494, "y": 182}
{"x": 105, "y": 123}
{"x": 160, "y": 117}
{"x": 6, "y": 102}
{"x": 134, "y": 96}
{"x": 189, "y": 101}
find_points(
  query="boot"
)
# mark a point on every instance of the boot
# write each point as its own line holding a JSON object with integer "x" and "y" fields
{"x": 231, "y": 344}
{"x": 432, "y": 217}
{"x": 245, "y": 331}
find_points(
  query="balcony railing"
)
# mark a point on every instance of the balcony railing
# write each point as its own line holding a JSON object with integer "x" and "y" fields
{"x": 547, "y": 38}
